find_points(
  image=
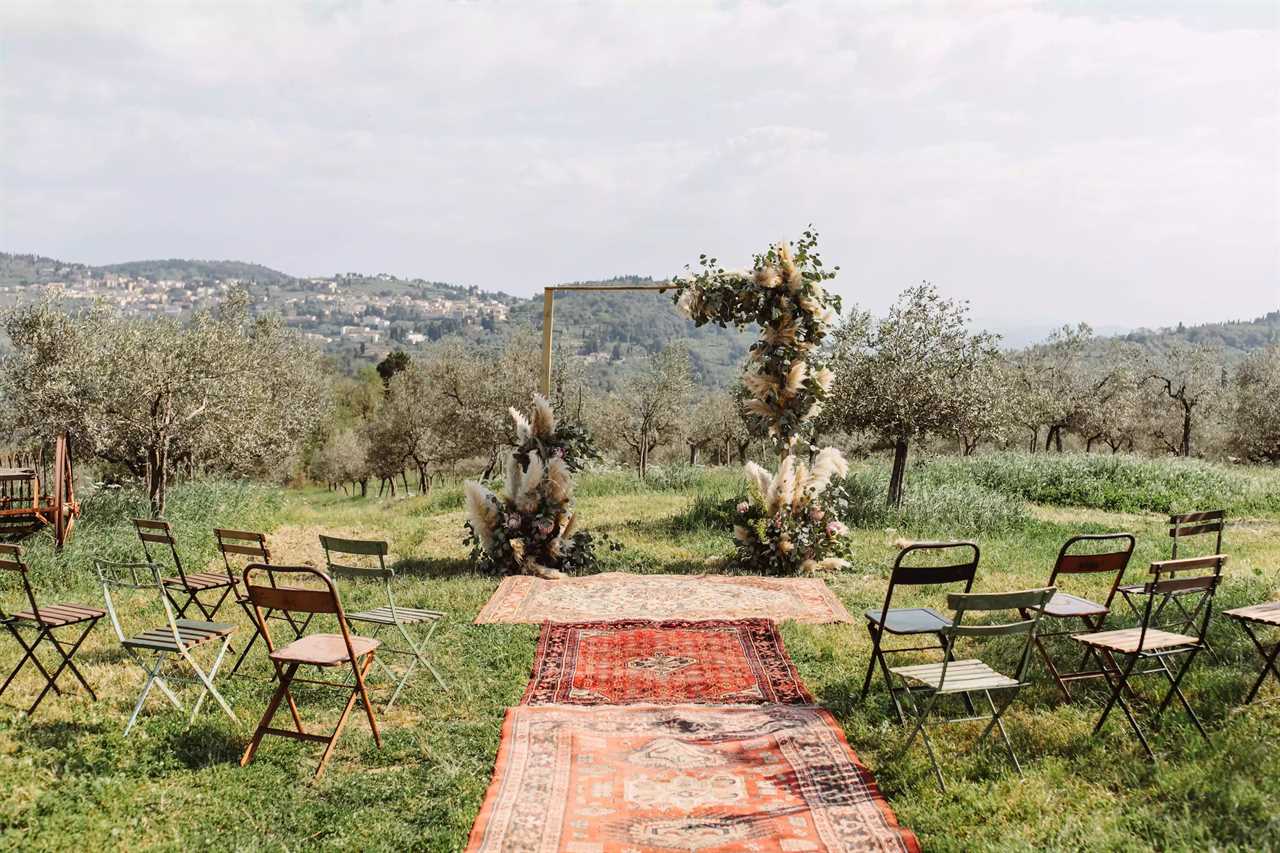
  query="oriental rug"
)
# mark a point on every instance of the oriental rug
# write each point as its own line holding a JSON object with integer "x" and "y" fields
{"x": 665, "y": 663}
{"x": 619, "y": 595}
{"x": 649, "y": 778}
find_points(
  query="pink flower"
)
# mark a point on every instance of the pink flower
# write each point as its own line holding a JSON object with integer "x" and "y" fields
{"x": 513, "y": 521}
{"x": 836, "y": 528}
{"x": 544, "y": 526}
{"x": 743, "y": 507}
{"x": 816, "y": 514}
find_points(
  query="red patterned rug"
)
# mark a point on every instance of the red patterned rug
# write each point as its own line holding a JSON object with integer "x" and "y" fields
{"x": 620, "y": 595}
{"x": 645, "y": 778}
{"x": 665, "y": 663}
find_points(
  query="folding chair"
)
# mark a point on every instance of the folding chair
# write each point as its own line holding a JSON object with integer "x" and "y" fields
{"x": 1066, "y": 607}
{"x": 1150, "y": 643}
{"x": 321, "y": 650}
{"x": 159, "y": 532}
{"x": 401, "y": 617}
{"x": 45, "y": 621}
{"x": 1261, "y": 615}
{"x": 950, "y": 677}
{"x": 251, "y": 547}
{"x": 172, "y": 643}
{"x": 916, "y": 621}
{"x": 1181, "y": 527}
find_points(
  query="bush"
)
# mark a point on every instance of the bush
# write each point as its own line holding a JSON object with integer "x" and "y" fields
{"x": 1115, "y": 483}
{"x": 931, "y": 506}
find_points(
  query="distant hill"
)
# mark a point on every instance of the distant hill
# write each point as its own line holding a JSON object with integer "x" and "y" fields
{"x": 177, "y": 269}
{"x": 1237, "y": 337}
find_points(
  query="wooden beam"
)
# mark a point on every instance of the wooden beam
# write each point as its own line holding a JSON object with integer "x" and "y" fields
{"x": 548, "y": 320}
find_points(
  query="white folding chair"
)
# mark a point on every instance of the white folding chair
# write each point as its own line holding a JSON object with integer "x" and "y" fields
{"x": 171, "y": 644}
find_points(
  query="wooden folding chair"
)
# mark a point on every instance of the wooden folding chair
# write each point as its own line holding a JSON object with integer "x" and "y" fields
{"x": 1147, "y": 642}
{"x": 401, "y": 617}
{"x": 950, "y": 677}
{"x": 172, "y": 643}
{"x": 45, "y": 621}
{"x": 1261, "y": 616}
{"x": 1065, "y": 607}
{"x": 244, "y": 546}
{"x": 916, "y": 621}
{"x": 192, "y": 584}
{"x": 321, "y": 650}
{"x": 1181, "y": 528}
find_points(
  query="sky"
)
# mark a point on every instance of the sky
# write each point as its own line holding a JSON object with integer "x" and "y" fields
{"x": 1115, "y": 163}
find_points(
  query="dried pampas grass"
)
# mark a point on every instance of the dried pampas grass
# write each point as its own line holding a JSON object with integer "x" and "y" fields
{"x": 559, "y": 483}
{"x": 544, "y": 419}
{"x": 827, "y": 465}
{"x": 523, "y": 429}
{"x": 759, "y": 478}
{"x": 482, "y": 511}
{"x": 526, "y": 498}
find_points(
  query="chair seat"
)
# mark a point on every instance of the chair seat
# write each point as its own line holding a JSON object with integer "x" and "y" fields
{"x": 56, "y": 615}
{"x": 1126, "y": 640}
{"x": 323, "y": 649}
{"x": 192, "y": 632}
{"x": 910, "y": 620}
{"x": 1065, "y": 605}
{"x": 1267, "y": 614}
{"x": 961, "y": 676}
{"x": 200, "y": 581}
{"x": 407, "y": 615}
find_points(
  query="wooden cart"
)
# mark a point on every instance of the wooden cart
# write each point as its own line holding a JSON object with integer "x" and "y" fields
{"x": 25, "y": 507}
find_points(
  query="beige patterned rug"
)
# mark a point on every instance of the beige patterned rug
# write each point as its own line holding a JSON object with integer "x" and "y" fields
{"x": 619, "y": 595}
{"x": 616, "y": 779}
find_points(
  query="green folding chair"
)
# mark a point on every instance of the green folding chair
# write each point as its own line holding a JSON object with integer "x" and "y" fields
{"x": 172, "y": 644}
{"x": 406, "y": 620}
{"x": 966, "y": 678}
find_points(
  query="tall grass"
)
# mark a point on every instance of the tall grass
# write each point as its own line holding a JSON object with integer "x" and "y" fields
{"x": 1116, "y": 483}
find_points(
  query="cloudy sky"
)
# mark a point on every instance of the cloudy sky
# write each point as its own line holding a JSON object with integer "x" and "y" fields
{"x": 1117, "y": 163}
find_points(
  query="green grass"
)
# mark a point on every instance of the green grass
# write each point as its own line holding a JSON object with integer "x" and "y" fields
{"x": 71, "y": 780}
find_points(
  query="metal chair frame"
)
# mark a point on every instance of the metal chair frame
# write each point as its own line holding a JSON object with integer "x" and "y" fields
{"x": 400, "y": 617}
{"x": 253, "y": 548}
{"x": 1164, "y": 646}
{"x": 973, "y": 676}
{"x": 287, "y": 661}
{"x": 174, "y": 642}
{"x": 54, "y": 618}
{"x": 160, "y": 532}
{"x": 1116, "y": 561}
{"x": 1261, "y": 615}
{"x": 907, "y": 575}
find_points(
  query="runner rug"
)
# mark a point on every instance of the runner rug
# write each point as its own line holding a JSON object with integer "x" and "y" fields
{"x": 617, "y": 779}
{"x": 665, "y": 663}
{"x": 619, "y": 595}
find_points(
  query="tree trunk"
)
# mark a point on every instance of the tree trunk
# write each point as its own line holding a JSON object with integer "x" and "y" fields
{"x": 1057, "y": 438}
{"x": 693, "y": 453}
{"x": 364, "y": 487}
{"x": 742, "y": 451}
{"x": 157, "y": 477}
{"x": 899, "y": 472}
{"x": 1035, "y": 439}
{"x": 1186, "y": 431}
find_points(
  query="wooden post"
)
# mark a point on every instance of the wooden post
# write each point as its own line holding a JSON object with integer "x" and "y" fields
{"x": 548, "y": 319}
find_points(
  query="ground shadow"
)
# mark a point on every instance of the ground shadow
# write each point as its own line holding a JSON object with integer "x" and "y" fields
{"x": 434, "y": 567}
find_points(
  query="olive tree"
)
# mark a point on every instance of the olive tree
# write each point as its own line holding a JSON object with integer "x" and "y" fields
{"x": 651, "y": 407}
{"x": 910, "y": 374}
{"x": 1255, "y": 422}
{"x": 1189, "y": 379}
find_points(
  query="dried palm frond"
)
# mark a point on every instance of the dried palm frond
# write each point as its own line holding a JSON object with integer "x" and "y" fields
{"x": 523, "y": 430}
{"x": 827, "y": 465}
{"x": 544, "y": 419}
{"x": 526, "y": 498}
{"x": 482, "y": 512}
{"x": 759, "y": 478}
{"x": 559, "y": 483}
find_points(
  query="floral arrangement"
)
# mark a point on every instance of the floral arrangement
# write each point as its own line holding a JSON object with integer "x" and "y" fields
{"x": 530, "y": 527}
{"x": 786, "y": 375}
{"x": 791, "y": 523}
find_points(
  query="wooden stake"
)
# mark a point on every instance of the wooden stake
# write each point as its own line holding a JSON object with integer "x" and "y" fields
{"x": 548, "y": 319}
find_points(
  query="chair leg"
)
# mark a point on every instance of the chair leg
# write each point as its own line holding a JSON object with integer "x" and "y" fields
{"x": 997, "y": 722}
{"x": 66, "y": 662}
{"x": 253, "y": 638}
{"x": 1117, "y": 689}
{"x": 1268, "y": 662}
{"x": 923, "y": 731}
{"x": 1053, "y": 670}
{"x": 153, "y": 677}
{"x": 1176, "y": 689}
{"x": 871, "y": 662}
{"x": 265, "y": 723}
{"x": 27, "y": 654}
{"x": 357, "y": 693}
{"x": 207, "y": 681}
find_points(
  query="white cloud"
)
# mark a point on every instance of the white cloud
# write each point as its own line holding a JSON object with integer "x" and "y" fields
{"x": 1046, "y": 164}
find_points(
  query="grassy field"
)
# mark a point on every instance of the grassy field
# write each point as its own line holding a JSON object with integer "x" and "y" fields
{"x": 72, "y": 780}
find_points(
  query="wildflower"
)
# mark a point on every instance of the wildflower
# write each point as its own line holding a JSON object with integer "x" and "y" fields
{"x": 836, "y": 528}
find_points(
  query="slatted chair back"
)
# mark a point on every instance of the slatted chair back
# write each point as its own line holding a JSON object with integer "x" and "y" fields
{"x": 244, "y": 546}
{"x": 1114, "y": 560}
{"x": 959, "y": 564}
{"x": 370, "y": 557}
{"x": 157, "y": 534}
{"x": 1168, "y": 577}
{"x": 1030, "y": 601}
{"x": 1191, "y": 524}
{"x": 11, "y": 561}
{"x": 320, "y": 598}
{"x": 140, "y": 580}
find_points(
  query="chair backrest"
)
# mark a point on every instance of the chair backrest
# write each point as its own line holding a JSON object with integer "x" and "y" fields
{"x": 11, "y": 560}
{"x": 1165, "y": 580}
{"x": 246, "y": 544}
{"x": 321, "y": 597}
{"x": 1190, "y": 524}
{"x": 136, "y": 578}
{"x": 158, "y": 532}
{"x": 1027, "y": 600}
{"x": 959, "y": 565}
{"x": 1114, "y": 560}
{"x": 370, "y": 554}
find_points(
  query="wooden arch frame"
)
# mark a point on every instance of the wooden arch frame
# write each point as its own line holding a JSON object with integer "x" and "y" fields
{"x": 549, "y": 309}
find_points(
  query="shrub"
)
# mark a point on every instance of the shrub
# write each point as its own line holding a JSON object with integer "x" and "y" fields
{"x": 945, "y": 508}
